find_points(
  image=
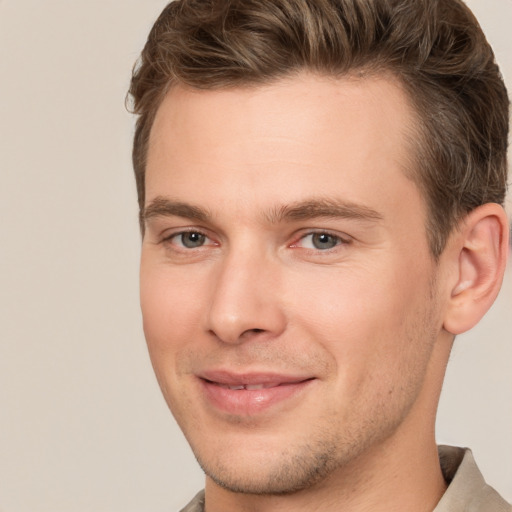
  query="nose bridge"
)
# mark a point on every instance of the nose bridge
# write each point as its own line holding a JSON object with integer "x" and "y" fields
{"x": 244, "y": 296}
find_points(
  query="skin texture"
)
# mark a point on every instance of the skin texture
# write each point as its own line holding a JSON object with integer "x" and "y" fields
{"x": 308, "y": 260}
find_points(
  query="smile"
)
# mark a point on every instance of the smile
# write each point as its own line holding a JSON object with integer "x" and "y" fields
{"x": 250, "y": 395}
{"x": 249, "y": 387}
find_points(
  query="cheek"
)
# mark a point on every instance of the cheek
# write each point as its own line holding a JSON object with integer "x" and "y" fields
{"x": 363, "y": 317}
{"x": 170, "y": 308}
{"x": 346, "y": 304}
{"x": 169, "y": 312}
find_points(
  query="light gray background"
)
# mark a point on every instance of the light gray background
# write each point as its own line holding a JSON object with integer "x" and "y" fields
{"x": 82, "y": 423}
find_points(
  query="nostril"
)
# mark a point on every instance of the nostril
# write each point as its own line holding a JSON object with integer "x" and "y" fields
{"x": 252, "y": 331}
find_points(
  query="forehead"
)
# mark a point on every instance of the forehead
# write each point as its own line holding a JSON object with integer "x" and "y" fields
{"x": 306, "y": 135}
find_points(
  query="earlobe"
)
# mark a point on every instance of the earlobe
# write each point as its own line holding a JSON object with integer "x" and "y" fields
{"x": 481, "y": 248}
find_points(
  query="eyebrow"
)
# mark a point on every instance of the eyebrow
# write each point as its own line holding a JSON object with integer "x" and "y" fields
{"x": 164, "y": 207}
{"x": 323, "y": 208}
{"x": 301, "y": 210}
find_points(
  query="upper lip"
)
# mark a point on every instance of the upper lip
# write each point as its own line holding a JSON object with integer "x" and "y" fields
{"x": 267, "y": 379}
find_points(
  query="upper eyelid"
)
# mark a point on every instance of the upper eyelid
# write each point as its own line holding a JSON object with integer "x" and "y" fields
{"x": 342, "y": 236}
{"x": 295, "y": 237}
{"x": 166, "y": 236}
{"x": 172, "y": 232}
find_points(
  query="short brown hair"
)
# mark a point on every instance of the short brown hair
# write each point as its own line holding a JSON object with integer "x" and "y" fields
{"x": 436, "y": 49}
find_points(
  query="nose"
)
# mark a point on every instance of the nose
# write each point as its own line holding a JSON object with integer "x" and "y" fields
{"x": 245, "y": 302}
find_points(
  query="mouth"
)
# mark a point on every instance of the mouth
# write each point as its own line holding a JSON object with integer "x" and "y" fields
{"x": 253, "y": 387}
{"x": 250, "y": 394}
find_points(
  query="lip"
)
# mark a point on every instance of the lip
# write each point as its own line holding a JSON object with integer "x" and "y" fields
{"x": 247, "y": 394}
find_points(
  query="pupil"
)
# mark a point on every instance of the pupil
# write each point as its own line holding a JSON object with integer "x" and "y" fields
{"x": 324, "y": 241}
{"x": 191, "y": 240}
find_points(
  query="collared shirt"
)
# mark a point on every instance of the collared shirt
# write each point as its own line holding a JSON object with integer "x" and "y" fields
{"x": 467, "y": 490}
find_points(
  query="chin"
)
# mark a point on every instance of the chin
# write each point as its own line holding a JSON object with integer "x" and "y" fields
{"x": 271, "y": 472}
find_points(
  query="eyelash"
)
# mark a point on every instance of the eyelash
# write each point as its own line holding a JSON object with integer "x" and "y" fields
{"x": 339, "y": 241}
{"x": 169, "y": 239}
{"x": 336, "y": 238}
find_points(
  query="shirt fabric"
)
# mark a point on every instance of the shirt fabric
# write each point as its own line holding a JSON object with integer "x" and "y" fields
{"x": 467, "y": 490}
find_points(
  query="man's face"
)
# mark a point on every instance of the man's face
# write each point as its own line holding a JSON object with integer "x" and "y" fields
{"x": 287, "y": 290}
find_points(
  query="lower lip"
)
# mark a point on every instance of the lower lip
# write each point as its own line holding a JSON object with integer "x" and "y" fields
{"x": 247, "y": 402}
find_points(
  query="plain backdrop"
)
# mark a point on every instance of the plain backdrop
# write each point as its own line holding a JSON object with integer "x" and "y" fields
{"x": 82, "y": 424}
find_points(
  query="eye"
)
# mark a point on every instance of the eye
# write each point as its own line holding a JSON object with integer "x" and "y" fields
{"x": 320, "y": 241}
{"x": 189, "y": 239}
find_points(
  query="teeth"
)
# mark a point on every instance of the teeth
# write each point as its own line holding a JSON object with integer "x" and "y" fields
{"x": 250, "y": 387}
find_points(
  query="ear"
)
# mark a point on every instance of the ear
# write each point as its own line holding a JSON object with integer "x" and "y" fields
{"x": 479, "y": 250}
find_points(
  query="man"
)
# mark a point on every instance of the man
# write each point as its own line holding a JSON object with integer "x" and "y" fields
{"x": 320, "y": 186}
